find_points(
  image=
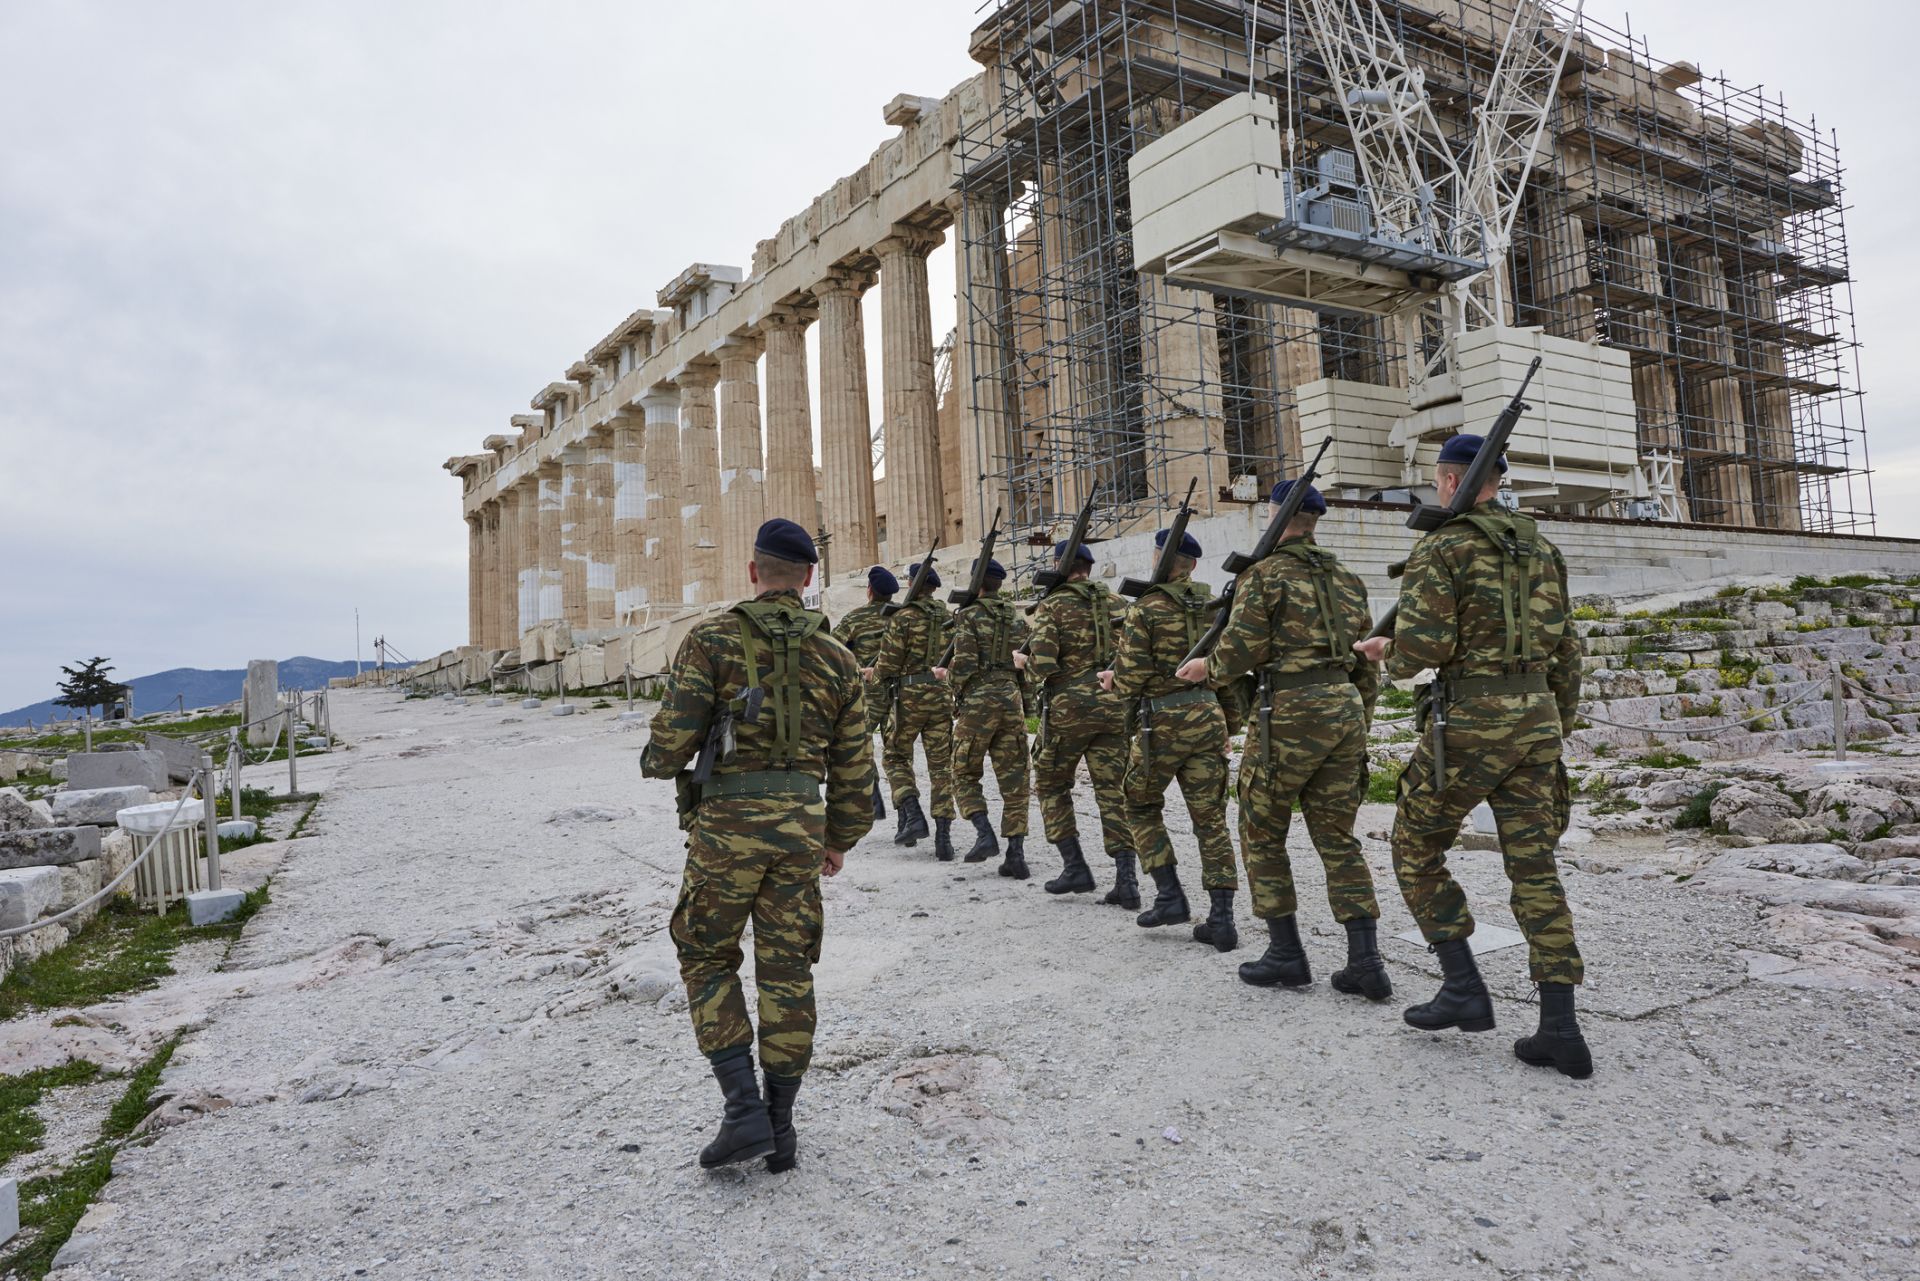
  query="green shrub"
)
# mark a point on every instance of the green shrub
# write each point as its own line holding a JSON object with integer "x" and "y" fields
{"x": 1383, "y": 783}
{"x": 1697, "y": 813}
{"x": 1661, "y": 758}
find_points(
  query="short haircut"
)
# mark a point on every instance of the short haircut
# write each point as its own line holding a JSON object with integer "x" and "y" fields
{"x": 1306, "y": 520}
{"x": 1183, "y": 564}
{"x": 776, "y": 571}
{"x": 1459, "y": 472}
{"x": 926, "y": 588}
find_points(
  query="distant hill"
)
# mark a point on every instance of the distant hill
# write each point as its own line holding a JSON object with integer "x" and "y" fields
{"x": 200, "y": 687}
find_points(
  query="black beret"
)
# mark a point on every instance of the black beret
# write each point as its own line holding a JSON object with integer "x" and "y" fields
{"x": 1464, "y": 448}
{"x": 994, "y": 568}
{"x": 1189, "y": 545}
{"x": 781, "y": 537}
{"x": 933, "y": 575}
{"x": 1314, "y": 502}
{"x": 1085, "y": 553}
{"x": 882, "y": 581}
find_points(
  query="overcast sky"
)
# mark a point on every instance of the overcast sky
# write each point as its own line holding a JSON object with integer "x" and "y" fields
{"x": 264, "y": 267}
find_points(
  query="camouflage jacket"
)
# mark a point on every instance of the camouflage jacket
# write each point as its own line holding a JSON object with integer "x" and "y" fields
{"x": 1453, "y": 615}
{"x": 985, "y": 634}
{"x": 1160, "y": 631}
{"x": 1074, "y": 633}
{"x": 916, "y": 638}
{"x": 830, "y": 737}
{"x": 861, "y": 631}
{"x": 1280, "y": 621}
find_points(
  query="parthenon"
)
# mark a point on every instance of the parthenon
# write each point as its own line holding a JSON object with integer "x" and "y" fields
{"x": 1680, "y": 254}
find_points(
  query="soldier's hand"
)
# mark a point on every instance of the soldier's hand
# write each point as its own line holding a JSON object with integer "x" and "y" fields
{"x": 1106, "y": 681}
{"x": 1019, "y": 661}
{"x": 866, "y": 673}
{"x": 940, "y": 673}
{"x": 1373, "y": 648}
{"x": 831, "y": 861}
{"x": 1193, "y": 671}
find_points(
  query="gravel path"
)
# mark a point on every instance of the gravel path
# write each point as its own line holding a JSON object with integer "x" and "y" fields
{"x": 485, "y": 1070}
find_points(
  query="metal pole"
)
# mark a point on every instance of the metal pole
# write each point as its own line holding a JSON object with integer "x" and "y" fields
{"x": 1839, "y": 711}
{"x": 293, "y": 768}
{"x": 208, "y": 791}
{"x": 86, "y": 729}
{"x": 626, "y": 679}
{"x": 234, "y": 759}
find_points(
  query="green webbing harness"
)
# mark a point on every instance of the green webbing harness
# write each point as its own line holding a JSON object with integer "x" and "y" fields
{"x": 998, "y": 652}
{"x": 930, "y": 610}
{"x": 1516, "y": 538}
{"x": 1100, "y": 605}
{"x": 1320, "y": 570}
{"x": 1192, "y": 598}
{"x": 783, "y": 627}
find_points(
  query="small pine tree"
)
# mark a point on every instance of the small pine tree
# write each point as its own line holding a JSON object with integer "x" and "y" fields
{"x": 88, "y": 686}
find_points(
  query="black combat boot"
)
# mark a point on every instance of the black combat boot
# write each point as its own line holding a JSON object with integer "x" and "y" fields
{"x": 780, "y": 1095}
{"x": 1364, "y": 974}
{"x": 1558, "y": 1044}
{"x": 1015, "y": 863}
{"x": 985, "y": 844}
{"x": 1284, "y": 962}
{"x": 1462, "y": 1000}
{"x": 913, "y": 821}
{"x": 1169, "y": 900}
{"x": 745, "y": 1131}
{"x": 1218, "y": 929}
{"x": 879, "y": 802}
{"x": 1126, "y": 889}
{"x": 943, "y": 839}
{"x": 1075, "y": 876}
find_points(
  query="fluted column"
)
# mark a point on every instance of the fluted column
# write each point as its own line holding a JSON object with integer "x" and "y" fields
{"x": 790, "y": 490}
{"x": 574, "y": 520}
{"x": 742, "y": 476}
{"x": 982, "y": 353}
{"x": 476, "y": 579}
{"x": 600, "y": 571}
{"x": 846, "y": 433}
{"x": 550, "y": 603}
{"x": 627, "y": 526}
{"x": 506, "y": 576}
{"x": 700, "y": 470}
{"x": 1180, "y": 349}
{"x": 528, "y": 590}
{"x": 664, "y": 543}
{"x": 914, "y": 509}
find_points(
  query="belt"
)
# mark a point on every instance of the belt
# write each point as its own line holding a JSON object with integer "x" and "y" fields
{"x": 1165, "y": 701}
{"x": 761, "y": 782}
{"x": 1280, "y": 682}
{"x": 918, "y": 678}
{"x": 1494, "y": 686}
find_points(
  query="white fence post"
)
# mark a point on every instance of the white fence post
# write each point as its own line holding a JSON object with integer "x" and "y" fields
{"x": 209, "y": 793}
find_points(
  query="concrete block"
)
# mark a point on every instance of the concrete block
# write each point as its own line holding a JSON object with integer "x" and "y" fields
{"x": 238, "y": 829}
{"x": 96, "y": 805}
{"x": 9, "y": 1210}
{"x": 139, "y": 768}
{"x": 564, "y": 709}
{"x": 183, "y": 758}
{"x": 210, "y": 907}
{"x": 48, "y": 847}
{"x": 315, "y": 744}
{"x": 27, "y": 894}
{"x": 531, "y": 704}
{"x": 496, "y": 702}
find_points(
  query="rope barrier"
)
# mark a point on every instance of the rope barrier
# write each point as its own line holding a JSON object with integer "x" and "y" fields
{"x": 1864, "y": 692}
{"x": 116, "y": 882}
{"x": 1669, "y": 728}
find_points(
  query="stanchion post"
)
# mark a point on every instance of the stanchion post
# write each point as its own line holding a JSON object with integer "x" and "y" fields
{"x": 86, "y": 730}
{"x": 234, "y": 759}
{"x": 1839, "y": 710}
{"x": 293, "y": 767}
{"x": 208, "y": 791}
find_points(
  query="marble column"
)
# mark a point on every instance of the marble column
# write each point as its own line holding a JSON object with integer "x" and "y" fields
{"x": 846, "y": 434}
{"x": 1180, "y": 362}
{"x": 574, "y": 522}
{"x": 506, "y": 579}
{"x": 628, "y": 522}
{"x": 600, "y": 570}
{"x": 550, "y": 601}
{"x": 742, "y": 477}
{"x": 700, "y": 472}
{"x": 914, "y": 508}
{"x": 663, "y": 544}
{"x": 476, "y": 579}
{"x": 528, "y": 589}
{"x": 982, "y": 352}
{"x": 790, "y": 490}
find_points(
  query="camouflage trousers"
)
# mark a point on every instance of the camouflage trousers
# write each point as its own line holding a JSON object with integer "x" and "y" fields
{"x": 923, "y": 714}
{"x": 1083, "y": 724}
{"x": 1526, "y": 786}
{"x": 752, "y": 858}
{"x": 1190, "y": 747}
{"x": 1317, "y": 761}
{"x": 991, "y": 722}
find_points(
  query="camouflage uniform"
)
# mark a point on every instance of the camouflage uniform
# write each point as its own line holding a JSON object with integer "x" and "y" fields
{"x": 1187, "y": 728}
{"x": 1073, "y": 642}
{"x": 923, "y": 707}
{"x": 989, "y": 714}
{"x": 1295, "y": 617}
{"x": 755, "y": 838}
{"x": 861, "y": 631}
{"x": 1513, "y": 690}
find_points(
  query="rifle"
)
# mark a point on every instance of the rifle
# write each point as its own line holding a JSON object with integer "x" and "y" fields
{"x": 1163, "y": 563}
{"x": 1048, "y": 579}
{"x": 1238, "y": 563}
{"x": 914, "y": 585}
{"x": 965, "y": 596}
{"x": 1428, "y": 517}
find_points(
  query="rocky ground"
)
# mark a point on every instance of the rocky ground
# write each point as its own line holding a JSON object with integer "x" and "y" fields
{"x": 454, "y": 1046}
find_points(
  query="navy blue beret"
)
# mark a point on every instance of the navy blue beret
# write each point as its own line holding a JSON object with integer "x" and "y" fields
{"x": 781, "y": 537}
{"x": 1314, "y": 502}
{"x": 994, "y": 568}
{"x": 1189, "y": 545}
{"x": 1464, "y": 448}
{"x": 933, "y": 575}
{"x": 881, "y": 580}
{"x": 1085, "y": 553}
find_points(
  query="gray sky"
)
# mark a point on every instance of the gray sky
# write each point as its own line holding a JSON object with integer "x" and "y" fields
{"x": 264, "y": 267}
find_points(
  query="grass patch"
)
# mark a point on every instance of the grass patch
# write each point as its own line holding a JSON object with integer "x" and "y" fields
{"x": 1383, "y": 783}
{"x": 1661, "y": 758}
{"x": 20, "y": 1126}
{"x": 1697, "y": 814}
{"x": 1392, "y": 696}
{"x": 1586, "y": 614}
{"x": 129, "y": 732}
{"x": 255, "y": 803}
{"x": 1615, "y": 803}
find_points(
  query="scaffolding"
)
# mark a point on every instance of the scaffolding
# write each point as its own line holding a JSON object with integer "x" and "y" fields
{"x": 1694, "y": 225}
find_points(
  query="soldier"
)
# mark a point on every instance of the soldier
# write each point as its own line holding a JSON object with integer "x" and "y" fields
{"x": 923, "y": 712}
{"x": 1295, "y": 617}
{"x": 768, "y": 679}
{"x": 860, "y": 631}
{"x": 1179, "y": 733}
{"x": 990, "y": 718}
{"x": 1484, "y": 603}
{"x": 1073, "y": 642}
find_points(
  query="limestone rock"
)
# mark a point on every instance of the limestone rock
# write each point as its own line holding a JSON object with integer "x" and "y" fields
{"x": 589, "y": 814}
{"x": 1754, "y": 809}
{"x": 96, "y": 805}
{"x": 1858, "y": 809}
{"x": 1817, "y": 860}
{"x": 48, "y": 846}
{"x": 1898, "y": 846}
{"x": 27, "y": 894}
{"x": 1894, "y": 871}
{"x": 16, "y": 815}
{"x": 79, "y": 882}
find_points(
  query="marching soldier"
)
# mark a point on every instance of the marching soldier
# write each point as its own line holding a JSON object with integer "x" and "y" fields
{"x": 1295, "y": 617}
{"x": 1484, "y": 603}
{"x": 1072, "y": 643}
{"x": 860, "y": 631}
{"x": 923, "y": 712}
{"x": 765, "y": 706}
{"x": 1180, "y": 732}
{"x": 990, "y": 719}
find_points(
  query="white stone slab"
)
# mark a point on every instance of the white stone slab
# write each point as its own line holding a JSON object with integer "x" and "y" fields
{"x": 9, "y": 1210}
{"x": 1486, "y": 938}
{"x": 26, "y": 893}
{"x": 531, "y": 704}
{"x": 564, "y": 709}
{"x": 138, "y": 768}
{"x": 96, "y": 805}
{"x": 238, "y": 829}
{"x": 496, "y": 702}
{"x": 1483, "y": 820}
{"x": 210, "y": 907}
